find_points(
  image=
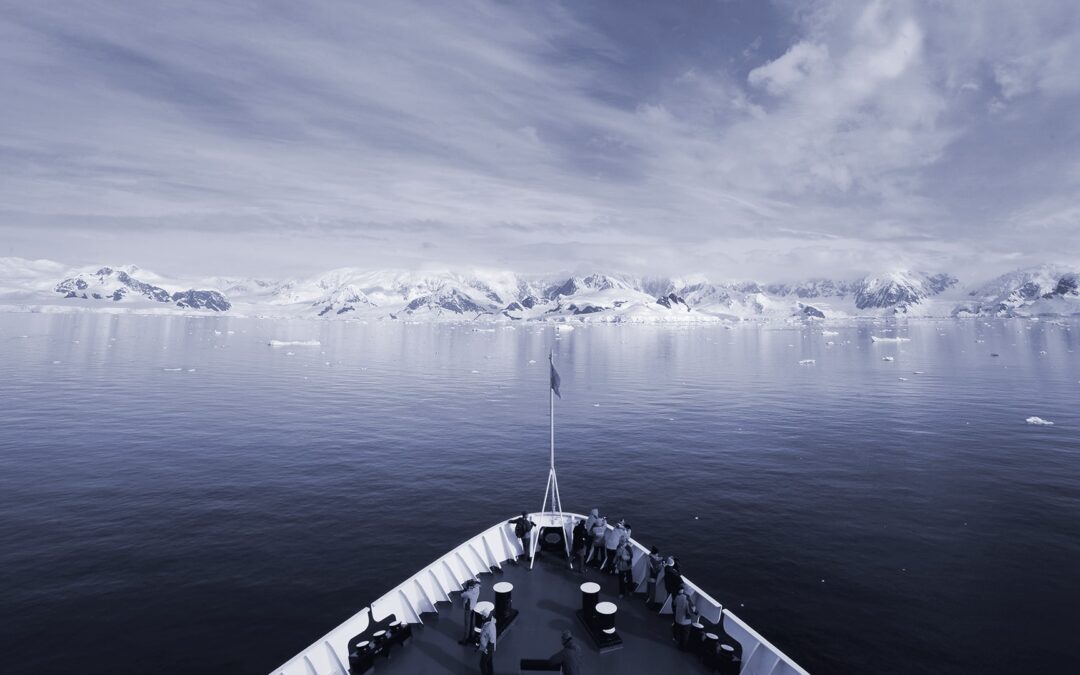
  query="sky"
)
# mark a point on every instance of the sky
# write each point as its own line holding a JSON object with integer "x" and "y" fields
{"x": 755, "y": 139}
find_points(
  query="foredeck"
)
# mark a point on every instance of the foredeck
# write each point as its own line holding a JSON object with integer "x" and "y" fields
{"x": 546, "y": 598}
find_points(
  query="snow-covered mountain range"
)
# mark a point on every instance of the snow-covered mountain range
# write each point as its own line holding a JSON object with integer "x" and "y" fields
{"x": 38, "y": 285}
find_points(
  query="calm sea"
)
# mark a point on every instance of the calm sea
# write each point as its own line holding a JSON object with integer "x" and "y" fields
{"x": 178, "y": 496}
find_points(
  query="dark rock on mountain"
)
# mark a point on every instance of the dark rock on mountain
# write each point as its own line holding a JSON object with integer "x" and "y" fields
{"x": 202, "y": 300}
{"x": 1067, "y": 285}
{"x": 672, "y": 301}
{"x": 811, "y": 311}
{"x": 586, "y": 309}
{"x": 452, "y": 301}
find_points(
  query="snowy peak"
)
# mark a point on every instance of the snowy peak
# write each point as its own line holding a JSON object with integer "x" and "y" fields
{"x": 492, "y": 295}
{"x": 116, "y": 284}
{"x": 1047, "y": 289}
{"x": 899, "y": 289}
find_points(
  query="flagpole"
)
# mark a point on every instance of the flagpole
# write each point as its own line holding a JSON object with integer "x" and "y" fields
{"x": 551, "y": 398}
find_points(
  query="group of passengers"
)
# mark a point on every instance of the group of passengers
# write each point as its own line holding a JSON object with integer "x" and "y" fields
{"x": 609, "y": 550}
{"x": 614, "y": 554}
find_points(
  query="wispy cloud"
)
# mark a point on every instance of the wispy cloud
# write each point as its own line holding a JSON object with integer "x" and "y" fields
{"x": 828, "y": 134}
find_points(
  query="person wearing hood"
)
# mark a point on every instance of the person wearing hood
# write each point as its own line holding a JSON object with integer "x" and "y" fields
{"x": 683, "y": 613}
{"x": 488, "y": 637}
{"x": 611, "y": 542}
{"x": 569, "y": 657}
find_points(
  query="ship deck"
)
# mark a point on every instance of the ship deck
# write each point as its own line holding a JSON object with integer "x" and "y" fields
{"x": 546, "y": 598}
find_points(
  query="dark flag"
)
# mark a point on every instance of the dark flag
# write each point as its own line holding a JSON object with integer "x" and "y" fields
{"x": 555, "y": 380}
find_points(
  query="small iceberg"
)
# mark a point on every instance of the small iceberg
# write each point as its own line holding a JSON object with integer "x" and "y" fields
{"x": 563, "y": 328}
{"x": 1038, "y": 421}
{"x": 875, "y": 338}
{"x": 172, "y": 370}
{"x": 294, "y": 343}
{"x": 808, "y": 362}
{"x": 887, "y": 358}
{"x": 829, "y": 333}
{"x": 902, "y": 379}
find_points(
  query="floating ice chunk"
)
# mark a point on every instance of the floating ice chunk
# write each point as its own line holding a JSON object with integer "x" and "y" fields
{"x": 830, "y": 343}
{"x": 532, "y": 360}
{"x": 290, "y": 353}
{"x": 875, "y": 338}
{"x": 807, "y": 362}
{"x": 230, "y": 332}
{"x": 563, "y": 328}
{"x": 829, "y": 333}
{"x": 596, "y": 405}
{"x": 217, "y": 332}
{"x": 172, "y": 370}
{"x": 1042, "y": 353}
{"x": 56, "y": 363}
{"x": 294, "y": 343}
{"x": 887, "y": 358}
{"x": 902, "y": 379}
{"x": 191, "y": 370}
{"x": 476, "y": 372}
{"x": 917, "y": 372}
{"x": 1039, "y": 421}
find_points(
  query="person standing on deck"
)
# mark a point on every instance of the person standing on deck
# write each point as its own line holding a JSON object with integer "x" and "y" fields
{"x": 655, "y": 563}
{"x": 579, "y": 542}
{"x": 569, "y": 657}
{"x": 590, "y": 522}
{"x": 596, "y": 544}
{"x": 522, "y": 527}
{"x": 684, "y": 613}
{"x": 624, "y": 567}
{"x": 488, "y": 637}
{"x": 672, "y": 578}
{"x": 611, "y": 542}
{"x": 469, "y": 597}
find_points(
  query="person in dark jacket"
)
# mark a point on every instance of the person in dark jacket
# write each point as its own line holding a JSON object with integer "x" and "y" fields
{"x": 579, "y": 542}
{"x": 522, "y": 527}
{"x": 672, "y": 577}
{"x": 624, "y": 567}
{"x": 569, "y": 657}
{"x": 655, "y": 563}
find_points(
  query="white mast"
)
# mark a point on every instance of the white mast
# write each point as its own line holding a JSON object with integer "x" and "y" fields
{"x": 555, "y": 517}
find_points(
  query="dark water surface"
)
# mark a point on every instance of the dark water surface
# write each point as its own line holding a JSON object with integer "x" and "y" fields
{"x": 222, "y": 517}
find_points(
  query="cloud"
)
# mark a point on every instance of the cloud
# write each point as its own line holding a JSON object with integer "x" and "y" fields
{"x": 375, "y": 133}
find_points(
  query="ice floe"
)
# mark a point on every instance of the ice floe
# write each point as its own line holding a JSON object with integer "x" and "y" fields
{"x": 808, "y": 362}
{"x": 887, "y": 358}
{"x": 294, "y": 343}
{"x": 875, "y": 338}
{"x": 1038, "y": 421}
